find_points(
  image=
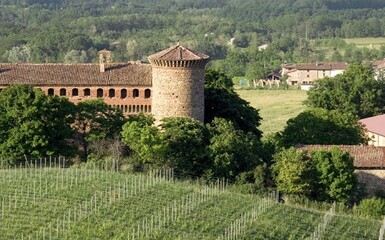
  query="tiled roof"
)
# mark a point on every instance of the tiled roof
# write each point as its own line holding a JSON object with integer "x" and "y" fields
{"x": 130, "y": 74}
{"x": 375, "y": 124}
{"x": 379, "y": 64}
{"x": 317, "y": 66}
{"x": 178, "y": 53}
{"x": 364, "y": 156}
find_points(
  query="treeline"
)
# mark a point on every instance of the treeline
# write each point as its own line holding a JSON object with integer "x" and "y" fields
{"x": 73, "y": 31}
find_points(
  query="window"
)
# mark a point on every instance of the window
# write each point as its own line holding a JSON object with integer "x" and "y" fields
{"x": 99, "y": 92}
{"x": 87, "y": 92}
{"x": 135, "y": 93}
{"x": 111, "y": 93}
{"x": 75, "y": 92}
{"x": 123, "y": 93}
{"x": 63, "y": 92}
{"x": 51, "y": 91}
{"x": 147, "y": 93}
{"x": 308, "y": 75}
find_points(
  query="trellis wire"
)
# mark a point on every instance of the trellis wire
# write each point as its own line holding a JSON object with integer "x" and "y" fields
{"x": 320, "y": 229}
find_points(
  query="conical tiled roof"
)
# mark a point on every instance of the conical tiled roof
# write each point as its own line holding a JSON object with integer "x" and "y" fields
{"x": 178, "y": 53}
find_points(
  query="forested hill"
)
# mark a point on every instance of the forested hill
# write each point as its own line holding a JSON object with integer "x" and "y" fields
{"x": 73, "y": 30}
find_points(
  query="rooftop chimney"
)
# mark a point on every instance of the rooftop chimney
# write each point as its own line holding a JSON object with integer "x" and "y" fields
{"x": 104, "y": 59}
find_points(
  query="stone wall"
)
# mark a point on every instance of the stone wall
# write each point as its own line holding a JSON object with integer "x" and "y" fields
{"x": 178, "y": 92}
{"x": 373, "y": 179}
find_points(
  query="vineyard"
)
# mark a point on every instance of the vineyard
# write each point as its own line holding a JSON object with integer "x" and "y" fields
{"x": 76, "y": 203}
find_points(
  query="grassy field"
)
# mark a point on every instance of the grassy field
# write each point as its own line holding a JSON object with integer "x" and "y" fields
{"x": 275, "y": 106}
{"x": 75, "y": 203}
{"x": 367, "y": 42}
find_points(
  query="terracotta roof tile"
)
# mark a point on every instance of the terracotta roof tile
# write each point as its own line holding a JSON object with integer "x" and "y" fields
{"x": 364, "y": 156}
{"x": 75, "y": 74}
{"x": 379, "y": 63}
{"x": 375, "y": 124}
{"x": 177, "y": 53}
{"x": 318, "y": 66}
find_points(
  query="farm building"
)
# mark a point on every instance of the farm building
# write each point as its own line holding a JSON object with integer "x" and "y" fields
{"x": 306, "y": 73}
{"x": 171, "y": 85}
{"x": 369, "y": 163}
{"x": 375, "y": 129}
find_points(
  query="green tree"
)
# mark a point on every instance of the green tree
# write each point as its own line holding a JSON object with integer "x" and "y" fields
{"x": 293, "y": 172}
{"x": 355, "y": 91}
{"x": 33, "y": 124}
{"x": 335, "y": 170}
{"x": 185, "y": 143}
{"x": 222, "y": 101}
{"x": 231, "y": 150}
{"x": 95, "y": 120}
{"x": 19, "y": 54}
{"x": 143, "y": 138}
{"x": 320, "y": 126}
{"x": 323, "y": 175}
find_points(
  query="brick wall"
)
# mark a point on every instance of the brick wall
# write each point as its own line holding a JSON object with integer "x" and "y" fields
{"x": 131, "y": 100}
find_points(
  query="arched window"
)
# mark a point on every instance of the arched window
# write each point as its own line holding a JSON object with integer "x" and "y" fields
{"x": 111, "y": 93}
{"x": 147, "y": 93}
{"x": 63, "y": 92}
{"x": 87, "y": 92}
{"x": 75, "y": 92}
{"x": 51, "y": 91}
{"x": 123, "y": 93}
{"x": 145, "y": 108}
{"x": 99, "y": 92}
{"x": 135, "y": 93}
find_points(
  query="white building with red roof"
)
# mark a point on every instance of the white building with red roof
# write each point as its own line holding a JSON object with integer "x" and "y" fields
{"x": 375, "y": 128}
{"x": 307, "y": 73}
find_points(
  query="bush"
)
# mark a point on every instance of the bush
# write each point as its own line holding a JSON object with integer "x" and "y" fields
{"x": 372, "y": 207}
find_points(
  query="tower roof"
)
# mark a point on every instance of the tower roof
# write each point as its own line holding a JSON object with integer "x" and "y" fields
{"x": 178, "y": 53}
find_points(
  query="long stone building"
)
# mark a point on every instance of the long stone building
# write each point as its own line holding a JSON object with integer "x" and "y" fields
{"x": 171, "y": 85}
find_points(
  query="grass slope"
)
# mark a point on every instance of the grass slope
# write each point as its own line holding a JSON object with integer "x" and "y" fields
{"x": 367, "y": 42}
{"x": 57, "y": 203}
{"x": 275, "y": 106}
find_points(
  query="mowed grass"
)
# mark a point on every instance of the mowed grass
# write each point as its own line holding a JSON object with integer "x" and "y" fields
{"x": 275, "y": 106}
{"x": 367, "y": 42}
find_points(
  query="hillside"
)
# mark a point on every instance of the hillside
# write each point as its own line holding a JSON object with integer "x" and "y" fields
{"x": 72, "y": 31}
{"x": 75, "y": 203}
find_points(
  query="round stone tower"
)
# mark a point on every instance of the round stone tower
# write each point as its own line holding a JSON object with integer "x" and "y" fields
{"x": 178, "y": 75}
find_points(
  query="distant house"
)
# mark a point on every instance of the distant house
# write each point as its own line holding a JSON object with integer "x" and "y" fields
{"x": 375, "y": 129}
{"x": 304, "y": 74}
{"x": 369, "y": 163}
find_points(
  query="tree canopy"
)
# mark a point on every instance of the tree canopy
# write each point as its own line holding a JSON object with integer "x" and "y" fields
{"x": 321, "y": 126}
{"x": 95, "y": 120}
{"x": 213, "y": 150}
{"x": 324, "y": 175}
{"x": 222, "y": 101}
{"x": 355, "y": 91}
{"x": 33, "y": 124}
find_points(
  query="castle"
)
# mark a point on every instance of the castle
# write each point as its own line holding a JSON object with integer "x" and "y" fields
{"x": 171, "y": 85}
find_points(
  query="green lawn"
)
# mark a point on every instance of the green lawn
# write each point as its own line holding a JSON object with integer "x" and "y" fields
{"x": 367, "y": 42}
{"x": 276, "y": 106}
